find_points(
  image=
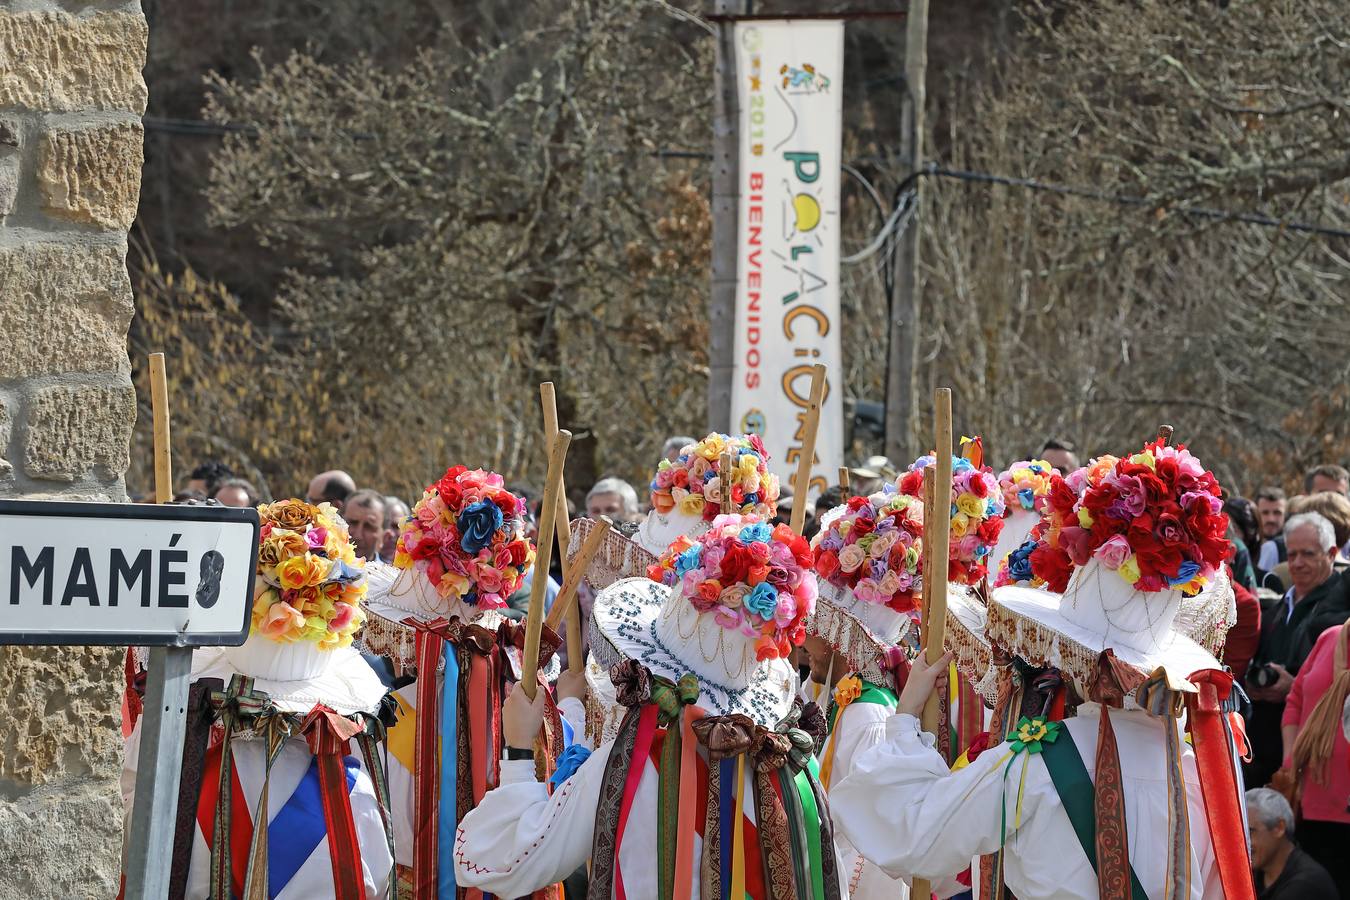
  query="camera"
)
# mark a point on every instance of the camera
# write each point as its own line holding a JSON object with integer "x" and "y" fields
{"x": 1262, "y": 676}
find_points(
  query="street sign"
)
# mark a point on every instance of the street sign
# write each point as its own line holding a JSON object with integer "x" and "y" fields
{"x": 122, "y": 573}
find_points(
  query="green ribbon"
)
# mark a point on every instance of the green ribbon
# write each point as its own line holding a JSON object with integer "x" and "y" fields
{"x": 670, "y": 699}
{"x": 871, "y": 693}
{"x": 811, "y": 821}
{"x": 1075, "y": 789}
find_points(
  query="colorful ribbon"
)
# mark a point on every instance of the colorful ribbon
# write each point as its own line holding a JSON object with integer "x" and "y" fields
{"x": 447, "y": 799}
{"x": 328, "y": 735}
{"x": 1219, "y": 784}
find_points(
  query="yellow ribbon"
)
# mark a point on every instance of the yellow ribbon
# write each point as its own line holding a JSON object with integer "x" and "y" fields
{"x": 738, "y": 842}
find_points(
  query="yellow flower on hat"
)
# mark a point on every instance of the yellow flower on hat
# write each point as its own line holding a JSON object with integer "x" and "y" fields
{"x": 1129, "y": 569}
{"x": 711, "y": 447}
{"x": 691, "y": 504}
{"x": 1085, "y": 519}
{"x": 971, "y": 505}
{"x": 960, "y": 525}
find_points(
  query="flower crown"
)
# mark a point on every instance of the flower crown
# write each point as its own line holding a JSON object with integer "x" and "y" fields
{"x": 977, "y": 513}
{"x": 753, "y": 576}
{"x": 694, "y": 483}
{"x": 310, "y": 583}
{"x": 1015, "y": 568}
{"x": 467, "y": 536}
{"x": 875, "y": 549}
{"x": 1154, "y": 518}
{"x": 1026, "y": 484}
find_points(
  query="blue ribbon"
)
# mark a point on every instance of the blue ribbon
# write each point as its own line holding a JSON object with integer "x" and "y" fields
{"x": 569, "y": 734}
{"x": 726, "y": 808}
{"x": 572, "y": 757}
{"x": 299, "y": 826}
{"x": 445, "y": 839}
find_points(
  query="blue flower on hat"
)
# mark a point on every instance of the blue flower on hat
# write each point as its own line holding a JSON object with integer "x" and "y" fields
{"x": 689, "y": 559}
{"x": 763, "y": 600}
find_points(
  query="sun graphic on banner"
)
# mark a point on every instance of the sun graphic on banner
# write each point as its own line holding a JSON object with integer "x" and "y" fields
{"x": 803, "y": 215}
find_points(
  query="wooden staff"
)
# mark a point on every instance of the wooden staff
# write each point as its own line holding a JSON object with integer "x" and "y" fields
{"x": 937, "y": 524}
{"x": 727, "y": 479}
{"x": 564, "y": 603}
{"x": 529, "y": 675}
{"x": 843, "y": 480}
{"x": 810, "y": 425}
{"x": 561, "y": 526}
{"x": 159, "y": 403}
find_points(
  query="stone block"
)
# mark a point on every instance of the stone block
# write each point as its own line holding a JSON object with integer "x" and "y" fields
{"x": 92, "y": 174}
{"x": 61, "y": 716}
{"x": 74, "y": 428}
{"x": 63, "y": 308}
{"x": 9, "y": 165}
{"x": 6, "y": 419}
{"x": 58, "y": 62}
{"x": 62, "y": 843}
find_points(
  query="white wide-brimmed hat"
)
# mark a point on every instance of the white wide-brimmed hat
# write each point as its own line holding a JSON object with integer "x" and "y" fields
{"x": 965, "y": 636}
{"x": 1099, "y": 611}
{"x": 655, "y": 625}
{"x": 297, "y": 676}
{"x": 398, "y": 598}
{"x": 861, "y": 632}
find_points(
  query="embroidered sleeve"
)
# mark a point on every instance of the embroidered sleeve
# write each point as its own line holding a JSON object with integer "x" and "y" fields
{"x": 519, "y": 839}
{"x": 902, "y": 809}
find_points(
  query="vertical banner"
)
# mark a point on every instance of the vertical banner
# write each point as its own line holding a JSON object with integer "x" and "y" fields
{"x": 790, "y": 78}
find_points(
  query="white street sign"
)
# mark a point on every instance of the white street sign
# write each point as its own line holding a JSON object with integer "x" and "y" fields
{"x": 121, "y": 573}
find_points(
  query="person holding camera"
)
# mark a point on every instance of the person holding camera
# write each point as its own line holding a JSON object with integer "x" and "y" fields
{"x": 1316, "y": 601}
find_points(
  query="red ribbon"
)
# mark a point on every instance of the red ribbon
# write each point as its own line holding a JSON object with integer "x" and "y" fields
{"x": 426, "y": 780}
{"x": 241, "y": 825}
{"x": 328, "y": 735}
{"x": 1218, "y": 782}
{"x": 642, "y": 748}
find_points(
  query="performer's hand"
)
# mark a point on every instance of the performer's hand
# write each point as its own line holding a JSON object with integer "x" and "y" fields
{"x": 923, "y": 679}
{"x": 521, "y": 718}
{"x": 572, "y": 684}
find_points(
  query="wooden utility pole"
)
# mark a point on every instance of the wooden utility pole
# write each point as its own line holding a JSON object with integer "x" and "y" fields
{"x": 902, "y": 389}
{"x": 726, "y": 192}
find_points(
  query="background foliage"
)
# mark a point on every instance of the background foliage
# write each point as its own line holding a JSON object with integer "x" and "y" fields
{"x": 398, "y": 221}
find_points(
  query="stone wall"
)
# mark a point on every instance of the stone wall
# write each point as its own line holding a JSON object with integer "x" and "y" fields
{"x": 71, "y": 100}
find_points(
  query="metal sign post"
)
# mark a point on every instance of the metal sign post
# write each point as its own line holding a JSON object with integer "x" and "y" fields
{"x": 158, "y": 772}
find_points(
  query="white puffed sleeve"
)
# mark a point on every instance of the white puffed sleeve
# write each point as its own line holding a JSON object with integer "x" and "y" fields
{"x": 902, "y": 809}
{"x": 519, "y": 839}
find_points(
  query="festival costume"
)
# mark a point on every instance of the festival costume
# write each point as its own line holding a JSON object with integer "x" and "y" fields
{"x": 438, "y": 612}
{"x": 686, "y": 496}
{"x": 707, "y": 791}
{"x": 285, "y": 730}
{"x": 1150, "y": 814}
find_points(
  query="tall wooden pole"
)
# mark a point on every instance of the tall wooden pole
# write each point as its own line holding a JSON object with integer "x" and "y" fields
{"x": 726, "y": 192}
{"x": 159, "y": 404}
{"x": 937, "y": 525}
{"x": 902, "y": 391}
{"x": 164, "y": 724}
{"x": 534, "y": 619}
{"x": 810, "y": 426}
{"x": 548, "y": 400}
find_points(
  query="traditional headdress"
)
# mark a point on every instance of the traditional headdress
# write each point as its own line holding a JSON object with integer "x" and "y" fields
{"x": 1117, "y": 561}
{"x": 461, "y": 553}
{"x": 296, "y": 676}
{"x": 701, "y": 653}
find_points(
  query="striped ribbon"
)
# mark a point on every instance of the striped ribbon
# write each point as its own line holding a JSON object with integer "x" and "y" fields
{"x": 233, "y": 707}
{"x": 329, "y": 736}
{"x": 426, "y": 801}
{"x": 372, "y": 735}
{"x": 276, "y": 729}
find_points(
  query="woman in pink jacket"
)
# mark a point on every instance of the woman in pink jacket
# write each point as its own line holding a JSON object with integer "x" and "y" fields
{"x": 1316, "y": 751}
